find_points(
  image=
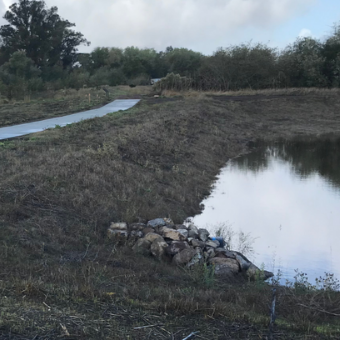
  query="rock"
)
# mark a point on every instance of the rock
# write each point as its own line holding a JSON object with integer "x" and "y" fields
{"x": 243, "y": 261}
{"x": 147, "y": 230}
{"x": 157, "y": 248}
{"x": 176, "y": 246}
{"x": 152, "y": 237}
{"x": 191, "y": 226}
{"x": 158, "y": 222}
{"x": 255, "y": 274}
{"x": 196, "y": 260}
{"x": 209, "y": 254}
{"x": 180, "y": 226}
{"x": 225, "y": 266}
{"x": 184, "y": 257}
{"x": 119, "y": 226}
{"x": 136, "y": 233}
{"x": 172, "y": 234}
{"x": 221, "y": 252}
{"x": 168, "y": 220}
{"x": 142, "y": 247}
{"x": 116, "y": 233}
{"x": 203, "y": 234}
{"x": 184, "y": 232}
{"x": 137, "y": 226}
{"x": 197, "y": 243}
{"x": 212, "y": 244}
{"x": 193, "y": 232}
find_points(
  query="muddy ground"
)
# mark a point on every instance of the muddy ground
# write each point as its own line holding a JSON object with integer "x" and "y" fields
{"x": 60, "y": 189}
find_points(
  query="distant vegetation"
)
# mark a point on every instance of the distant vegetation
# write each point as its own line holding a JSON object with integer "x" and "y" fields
{"x": 39, "y": 50}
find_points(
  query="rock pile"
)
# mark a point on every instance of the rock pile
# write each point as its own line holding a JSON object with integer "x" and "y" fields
{"x": 185, "y": 246}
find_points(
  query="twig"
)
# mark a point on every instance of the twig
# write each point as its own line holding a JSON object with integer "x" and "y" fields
{"x": 190, "y": 335}
{"x": 318, "y": 310}
{"x": 148, "y": 326}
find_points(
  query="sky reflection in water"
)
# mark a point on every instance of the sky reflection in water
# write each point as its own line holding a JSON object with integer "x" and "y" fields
{"x": 288, "y": 198}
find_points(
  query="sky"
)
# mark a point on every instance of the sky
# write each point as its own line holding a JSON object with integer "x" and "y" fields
{"x": 200, "y": 25}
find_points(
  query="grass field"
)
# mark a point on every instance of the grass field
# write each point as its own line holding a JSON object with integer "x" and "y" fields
{"x": 61, "y": 278}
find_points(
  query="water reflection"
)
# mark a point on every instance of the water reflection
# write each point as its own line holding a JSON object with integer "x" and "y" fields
{"x": 288, "y": 197}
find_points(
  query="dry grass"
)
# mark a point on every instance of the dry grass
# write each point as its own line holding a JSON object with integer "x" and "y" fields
{"x": 60, "y": 189}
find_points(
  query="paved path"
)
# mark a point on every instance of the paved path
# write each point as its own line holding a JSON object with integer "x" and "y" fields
{"x": 25, "y": 129}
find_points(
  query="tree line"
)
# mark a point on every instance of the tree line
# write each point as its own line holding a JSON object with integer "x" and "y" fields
{"x": 39, "y": 50}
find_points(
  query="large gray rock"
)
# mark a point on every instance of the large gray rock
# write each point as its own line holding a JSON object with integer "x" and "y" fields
{"x": 209, "y": 254}
{"x": 184, "y": 257}
{"x": 184, "y": 232}
{"x": 225, "y": 266}
{"x": 203, "y": 234}
{"x": 172, "y": 234}
{"x": 221, "y": 252}
{"x": 197, "y": 243}
{"x": 243, "y": 261}
{"x": 256, "y": 274}
{"x": 193, "y": 231}
{"x": 180, "y": 226}
{"x": 142, "y": 247}
{"x": 157, "y": 248}
{"x": 211, "y": 243}
{"x": 156, "y": 223}
{"x": 176, "y": 246}
{"x": 153, "y": 236}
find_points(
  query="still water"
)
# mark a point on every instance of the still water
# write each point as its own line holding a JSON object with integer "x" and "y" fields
{"x": 287, "y": 196}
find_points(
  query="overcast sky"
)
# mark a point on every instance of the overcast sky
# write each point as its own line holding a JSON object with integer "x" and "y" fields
{"x": 201, "y": 25}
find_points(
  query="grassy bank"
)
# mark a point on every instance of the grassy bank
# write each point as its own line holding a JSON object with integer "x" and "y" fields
{"x": 60, "y": 189}
{"x": 51, "y": 104}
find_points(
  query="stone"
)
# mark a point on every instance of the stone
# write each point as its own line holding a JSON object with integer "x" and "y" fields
{"x": 221, "y": 252}
{"x": 255, "y": 274}
{"x": 196, "y": 260}
{"x": 147, "y": 230}
{"x": 180, "y": 226}
{"x": 153, "y": 236}
{"x": 198, "y": 243}
{"x": 193, "y": 231}
{"x": 184, "y": 232}
{"x": 243, "y": 261}
{"x": 231, "y": 265}
{"x": 157, "y": 248}
{"x": 137, "y": 226}
{"x": 172, "y": 234}
{"x": 158, "y": 222}
{"x": 203, "y": 234}
{"x": 209, "y": 254}
{"x": 142, "y": 247}
{"x": 176, "y": 246}
{"x": 212, "y": 244}
{"x": 119, "y": 226}
{"x": 136, "y": 233}
{"x": 116, "y": 233}
{"x": 184, "y": 257}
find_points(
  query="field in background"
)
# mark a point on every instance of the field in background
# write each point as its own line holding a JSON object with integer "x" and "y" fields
{"x": 51, "y": 104}
{"x": 62, "y": 278}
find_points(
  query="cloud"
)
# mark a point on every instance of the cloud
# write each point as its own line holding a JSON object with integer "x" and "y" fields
{"x": 305, "y": 32}
{"x": 198, "y": 24}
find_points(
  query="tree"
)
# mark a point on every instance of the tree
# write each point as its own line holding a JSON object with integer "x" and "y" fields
{"x": 40, "y": 32}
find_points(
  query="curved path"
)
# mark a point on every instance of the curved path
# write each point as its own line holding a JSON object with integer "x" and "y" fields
{"x": 27, "y": 128}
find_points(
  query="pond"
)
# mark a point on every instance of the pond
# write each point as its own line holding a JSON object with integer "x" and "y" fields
{"x": 287, "y": 196}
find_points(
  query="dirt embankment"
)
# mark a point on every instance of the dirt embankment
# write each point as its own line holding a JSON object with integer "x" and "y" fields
{"x": 60, "y": 189}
